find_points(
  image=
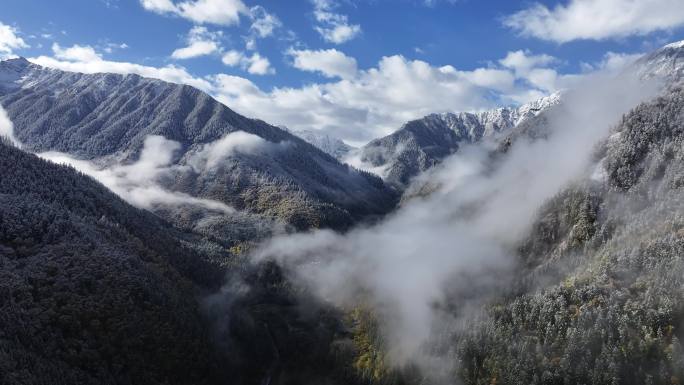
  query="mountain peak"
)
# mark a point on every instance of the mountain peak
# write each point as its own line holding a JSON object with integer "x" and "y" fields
{"x": 17, "y": 62}
{"x": 12, "y": 70}
{"x": 666, "y": 62}
{"x": 675, "y": 45}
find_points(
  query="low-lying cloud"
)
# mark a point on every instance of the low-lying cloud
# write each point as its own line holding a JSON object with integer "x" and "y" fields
{"x": 138, "y": 183}
{"x": 211, "y": 155}
{"x": 461, "y": 239}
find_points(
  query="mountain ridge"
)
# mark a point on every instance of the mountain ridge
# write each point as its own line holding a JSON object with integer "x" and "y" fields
{"x": 106, "y": 118}
{"x": 421, "y": 144}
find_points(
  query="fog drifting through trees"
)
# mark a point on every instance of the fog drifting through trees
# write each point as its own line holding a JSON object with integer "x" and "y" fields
{"x": 464, "y": 233}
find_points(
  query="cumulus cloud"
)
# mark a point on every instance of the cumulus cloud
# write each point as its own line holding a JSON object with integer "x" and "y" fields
{"x": 263, "y": 23}
{"x": 596, "y": 19}
{"x": 533, "y": 68}
{"x": 331, "y": 62}
{"x": 95, "y": 64}
{"x": 220, "y": 12}
{"x": 76, "y": 52}
{"x": 461, "y": 239}
{"x": 366, "y": 103}
{"x": 372, "y": 102}
{"x": 612, "y": 61}
{"x": 523, "y": 61}
{"x": 9, "y": 41}
{"x": 255, "y": 64}
{"x": 203, "y": 42}
{"x": 159, "y": 6}
{"x": 333, "y": 27}
{"x": 200, "y": 42}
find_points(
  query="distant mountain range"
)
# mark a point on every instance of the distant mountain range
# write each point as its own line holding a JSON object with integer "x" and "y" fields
{"x": 421, "y": 144}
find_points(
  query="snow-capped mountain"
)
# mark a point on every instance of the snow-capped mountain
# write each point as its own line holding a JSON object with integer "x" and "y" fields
{"x": 328, "y": 143}
{"x": 667, "y": 62}
{"x": 214, "y": 154}
{"x": 422, "y": 143}
{"x": 476, "y": 125}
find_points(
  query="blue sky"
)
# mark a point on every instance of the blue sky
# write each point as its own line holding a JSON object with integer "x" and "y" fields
{"x": 354, "y": 68}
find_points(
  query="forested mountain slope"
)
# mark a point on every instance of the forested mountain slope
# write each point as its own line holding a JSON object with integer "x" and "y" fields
{"x": 107, "y": 118}
{"x": 95, "y": 291}
{"x": 601, "y": 301}
{"x": 92, "y": 290}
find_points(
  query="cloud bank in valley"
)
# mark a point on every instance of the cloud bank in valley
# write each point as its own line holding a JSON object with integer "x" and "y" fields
{"x": 460, "y": 239}
{"x": 139, "y": 182}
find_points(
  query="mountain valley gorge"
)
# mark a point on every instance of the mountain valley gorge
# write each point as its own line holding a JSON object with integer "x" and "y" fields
{"x": 151, "y": 235}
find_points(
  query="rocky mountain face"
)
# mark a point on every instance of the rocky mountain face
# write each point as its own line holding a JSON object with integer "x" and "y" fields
{"x": 423, "y": 143}
{"x": 106, "y": 118}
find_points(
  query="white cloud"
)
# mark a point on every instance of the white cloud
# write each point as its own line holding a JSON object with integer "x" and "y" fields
{"x": 263, "y": 23}
{"x": 333, "y": 27}
{"x": 212, "y": 154}
{"x": 137, "y": 183}
{"x": 254, "y": 64}
{"x": 612, "y": 62}
{"x": 597, "y": 19}
{"x": 76, "y": 53}
{"x": 195, "y": 49}
{"x": 9, "y": 41}
{"x": 201, "y": 42}
{"x": 523, "y": 61}
{"x": 159, "y": 6}
{"x": 364, "y": 104}
{"x": 232, "y": 58}
{"x": 221, "y": 12}
{"x": 96, "y": 64}
{"x": 259, "y": 65}
{"x": 331, "y": 62}
{"x": 7, "y": 128}
{"x": 533, "y": 68}
{"x": 375, "y": 102}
